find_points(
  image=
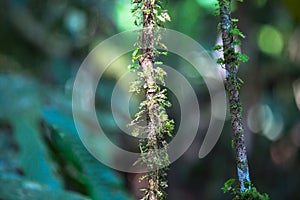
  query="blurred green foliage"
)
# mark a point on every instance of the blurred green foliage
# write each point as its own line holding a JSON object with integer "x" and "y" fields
{"x": 50, "y": 153}
{"x": 42, "y": 46}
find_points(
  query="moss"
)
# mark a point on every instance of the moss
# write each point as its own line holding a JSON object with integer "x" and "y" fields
{"x": 231, "y": 60}
{"x": 151, "y": 14}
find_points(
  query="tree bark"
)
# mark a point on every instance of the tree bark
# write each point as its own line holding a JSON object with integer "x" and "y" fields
{"x": 147, "y": 66}
{"x": 232, "y": 87}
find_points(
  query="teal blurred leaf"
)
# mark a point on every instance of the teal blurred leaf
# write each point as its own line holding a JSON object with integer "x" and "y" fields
{"x": 34, "y": 158}
{"x": 20, "y": 105}
{"x": 19, "y": 96}
{"x": 14, "y": 188}
{"x": 102, "y": 182}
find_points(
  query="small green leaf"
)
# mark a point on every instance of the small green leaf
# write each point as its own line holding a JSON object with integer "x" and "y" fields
{"x": 169, "y": 125}
{"x": 242, "y": 35}
{"x": 133, "y": 67}
{"x": 165, "y": 53}
{"x": 234, "y": 106}
{"x": 217, "y": 47}
{"x": 134, "y": 53}
{"x": 237, "y": 42}
{"x": 237, "y": 32}
{"x": 243, "y": 57}
{"x": 220, "y": 61}
{"x": 148, "y": 11}
{"x": 219, "y": 27}
{"x": 216, "y": 12}
{"x": 228, "y": 185}
{"x": 240, "y": 81}
{"x": 135, "y": 132}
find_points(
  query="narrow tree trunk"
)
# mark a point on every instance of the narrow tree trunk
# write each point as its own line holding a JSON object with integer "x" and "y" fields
{"x": 147, "y": 65}
{"x": 232, "y": 87}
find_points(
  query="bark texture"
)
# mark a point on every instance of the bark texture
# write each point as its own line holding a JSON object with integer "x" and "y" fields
{"x": 232, "y": 87}
{"x": 147, "y": 65}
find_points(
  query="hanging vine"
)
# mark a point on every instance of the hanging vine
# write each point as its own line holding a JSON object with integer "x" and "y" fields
{"x": 231, "y": 60}
{"x": 150, "y": 14}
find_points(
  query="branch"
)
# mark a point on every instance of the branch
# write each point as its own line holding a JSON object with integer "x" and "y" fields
{"x": 154, "y": 147}
{"x": 232, "y": 84}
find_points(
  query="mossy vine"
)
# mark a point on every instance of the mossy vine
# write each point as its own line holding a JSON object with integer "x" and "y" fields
{"x": 231, "y": 60}
{"x": 150, "y": 14}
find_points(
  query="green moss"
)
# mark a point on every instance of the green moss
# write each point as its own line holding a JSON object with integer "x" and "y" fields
{"x": 159, "y": 126}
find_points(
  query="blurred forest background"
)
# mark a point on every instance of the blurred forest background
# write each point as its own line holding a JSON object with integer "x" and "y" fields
{"x": 42, "y": 46}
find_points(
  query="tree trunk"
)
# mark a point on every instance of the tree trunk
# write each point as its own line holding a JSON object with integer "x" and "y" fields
{"x": 232, "y": 87}
{"x": 147, "y": 65}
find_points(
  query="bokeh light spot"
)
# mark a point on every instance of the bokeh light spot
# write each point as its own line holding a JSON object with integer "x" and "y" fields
{"x": 208, "y": 4}
{"x": 282, "y": 152}
{"x": 270, "y": 40}
{"x": 296, "y": 90}
{"x": 261, "y": 118}
{"x": 123, "y": 16}
{"x": 75, "y": 21}
{"x": 260, "y": 3}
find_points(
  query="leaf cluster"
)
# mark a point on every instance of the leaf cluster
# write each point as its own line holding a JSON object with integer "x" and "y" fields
{"x": 231, "y": 187}
{"x": 161, "y": 15}
{"x": 232, "y": 57}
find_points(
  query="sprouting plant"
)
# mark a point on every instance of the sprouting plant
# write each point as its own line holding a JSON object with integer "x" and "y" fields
{"x": 150, "y": 14}
{"x": 230, "y": 61}
{"x": 230, "y": 186}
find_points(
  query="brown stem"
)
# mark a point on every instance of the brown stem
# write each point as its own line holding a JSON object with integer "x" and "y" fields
{"x": 147, "y": 65}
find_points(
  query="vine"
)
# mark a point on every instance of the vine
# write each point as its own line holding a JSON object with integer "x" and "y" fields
{"x": 230, "y": 61}
{"x": 150, "y": 14}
